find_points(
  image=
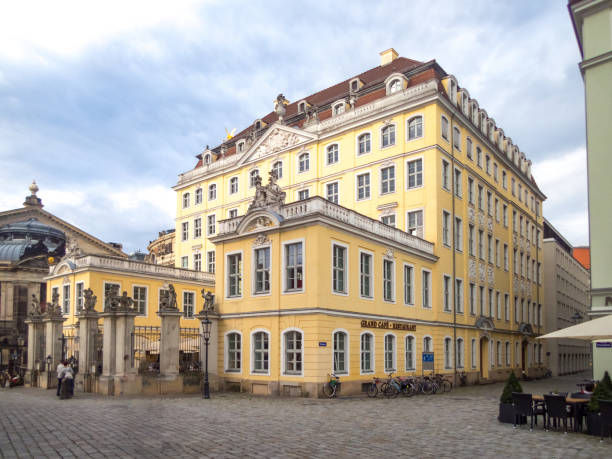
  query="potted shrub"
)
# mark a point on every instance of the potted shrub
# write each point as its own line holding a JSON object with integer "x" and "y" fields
{"x": 603, "y": 391}
{"x": 506, "y": 410}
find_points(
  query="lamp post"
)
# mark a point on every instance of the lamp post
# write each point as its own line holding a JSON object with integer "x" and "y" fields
{"x": 206, "y": 330}
{"x": 20, "y": 343}
{"x": 49, "y": 360}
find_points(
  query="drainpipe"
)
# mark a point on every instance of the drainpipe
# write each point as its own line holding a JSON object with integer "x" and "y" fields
{"x": 453, "y": 248}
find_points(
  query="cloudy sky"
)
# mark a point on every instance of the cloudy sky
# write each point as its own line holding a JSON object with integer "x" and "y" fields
{"x": 104, "y": 103}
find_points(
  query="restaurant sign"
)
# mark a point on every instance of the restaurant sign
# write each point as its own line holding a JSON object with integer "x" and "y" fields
{"x": 385, "y": 324}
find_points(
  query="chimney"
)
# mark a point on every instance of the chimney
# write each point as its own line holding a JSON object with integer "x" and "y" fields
{"x": 388, "y": 56}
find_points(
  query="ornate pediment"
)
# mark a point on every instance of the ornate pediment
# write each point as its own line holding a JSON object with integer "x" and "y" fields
{"x": 526, "y": 329}
{"x": 278, "y": 138}
{"x": 485, "y": 323}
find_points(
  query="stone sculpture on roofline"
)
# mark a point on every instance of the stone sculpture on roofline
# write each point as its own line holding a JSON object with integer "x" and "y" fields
{"x": 270, "y": 196}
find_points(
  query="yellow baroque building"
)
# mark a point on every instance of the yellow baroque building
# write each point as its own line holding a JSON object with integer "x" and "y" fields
{"x": 405, "y": 154}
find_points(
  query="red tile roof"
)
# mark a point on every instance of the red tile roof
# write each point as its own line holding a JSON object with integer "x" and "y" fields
{"x": 583, "y": 256}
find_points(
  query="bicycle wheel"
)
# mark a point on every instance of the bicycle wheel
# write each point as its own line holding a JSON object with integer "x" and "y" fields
{"x": 329, "y": 390}
{"x": 447, "y": 386}
{"x": 372, "y": 390}
{"x": 427, "y": 388}
{"x": 410, "y": 390}
{"x": 388, "y": 390}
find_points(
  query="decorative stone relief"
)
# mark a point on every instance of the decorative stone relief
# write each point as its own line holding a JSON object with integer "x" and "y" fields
{"x": 481, "y": 218}
{"x": 269, "y": 196}
{"x": 490, "y": 275}
{"x": 277, "y": 140}
{"x": 389, "y": 252}
{"x": 261, "y": 240}
{"x": 471, "y": 214}
{"x": 481, "y": 273}
{"x": 490, "y": 224}
{"x": 472, "y": 269}
{"x": 258, "y": 223}
{"x": 72, "y": 248}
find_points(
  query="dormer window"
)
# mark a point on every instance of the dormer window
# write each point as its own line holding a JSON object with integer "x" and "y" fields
{"x": 259, "y": 124}
{"x": 453, "y": 92}
{"x": 240, "y": 146}
{"x": 395, "y": 86}
{"x": 301, "y": 107}
{"x": 354, "y": 85}
{"x": 207, "y": 158}
{"x": 339, "y": 108}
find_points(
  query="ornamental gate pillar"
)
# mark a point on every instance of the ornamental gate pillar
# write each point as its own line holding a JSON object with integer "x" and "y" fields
{"x": 36, "y": 347}
{"x": 53, "y": 324}
{"x": 88, "y": 329}
{"x": 169, "y": 342}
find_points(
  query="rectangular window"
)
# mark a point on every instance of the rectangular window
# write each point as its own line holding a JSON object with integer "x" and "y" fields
{"x": 498, "y": 304}
{"x": 515, "y": 261}
{"x": 505, "y": 215}
{"x": 197, "y": 261}
{"x": 388, "y": 220}
{"x": 506, "y": 257}
{"x": 408, "y": 283}
{"x": 139, "y": 296}
{"x": 504, "y": 180}
{"x": 339, "y": 265}
{"x": 185, "y": 262}
{"x": 468, "y": 147}
{"x": 260, "y": 352}
{"x": 415, "y": 223}
{"x": 415, "y": 173}
{"x": 293, "y": 266}
{"x": 197, "y": 227}
{"x": 293, "y": 353}
{"x": 365, "y": 275}
{"x": 79, "y": 295}
{"x": 481, "y": 244}
{"x": 212, "y": 192}
{"x": 458, "y": 234}
{"x": 472, "y": 299}
{"x": 490, "y": 248}
{"x": 234, "y": 275}
{"x": 488, "y": 164}
{"x": 473, "y": 355}
{"x": 234, "y": 352}
{"x": 446, "y": 293}
{"x": 387, "y": 180}
{"x": 497, "y": 210}
{"x": 489, "y": 203}
{"x": 388, "y": 135}
{"x": 363, "y": 186}
{"x": 459, "y": 295}
{"x": 506, "y": 307}
{"x": 445, "y": 228}
{"x": 458, "y": 187}
{"x": 426, "y": 289}
{"x": 66, "y": 299}
{"x": 495, "y": 172}
{"x": 233, "y": 185}
{"x": 303, "y": 194}
{"x": 198, "y": 196}
{"x": 211, "y": 227}
{"x": 444, "y": 127}
{"x": 471, "y": 240}
{"x": 490, "y": 302}
{"x": 388, "y": 280}
{"x": 480, "y": 197}
{"x": 478, "y": 157}
{"x": 184, "y": 231}
{"x": 210, "y": 261}
{"x": 332, "y": 192}
{"x": 470, "y": 190}
{"x": 445, "y": 175}
{"x": 497, "y": 252}
{"x": 457, "y": 138}
{"x": 262, "y": 270}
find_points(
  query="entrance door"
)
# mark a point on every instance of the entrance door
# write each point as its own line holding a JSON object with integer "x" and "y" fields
{"x": 484, "y": 358}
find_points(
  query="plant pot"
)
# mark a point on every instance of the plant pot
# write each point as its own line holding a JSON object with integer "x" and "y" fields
{"x": 593, "y": 421}
{"x": 506, "y": 413}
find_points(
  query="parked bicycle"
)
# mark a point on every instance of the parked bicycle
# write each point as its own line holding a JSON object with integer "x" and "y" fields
{"x": 375, "y": 387}
{"x": 330, "y": 388}
{"x": 444, "y": 384}
{"x": 391, "y": 387}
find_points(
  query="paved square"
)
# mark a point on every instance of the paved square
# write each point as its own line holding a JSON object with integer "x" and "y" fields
{"x": 34, "y": 423}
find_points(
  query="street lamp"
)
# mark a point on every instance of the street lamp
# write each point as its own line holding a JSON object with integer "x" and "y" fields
{"x": 206, "y": 331}
{"x": 20, "y": 343}
{"x": 49, "y": 360}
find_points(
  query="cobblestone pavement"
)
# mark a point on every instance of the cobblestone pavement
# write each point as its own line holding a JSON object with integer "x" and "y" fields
{"x": 34, "y": 423}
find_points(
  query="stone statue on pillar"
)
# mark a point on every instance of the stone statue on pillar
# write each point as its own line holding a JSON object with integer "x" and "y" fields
{"x": 35, "y": 311}
{"x": 54, "y": 309}
{"x": 168, "y": 299}
{"x": 209, "y": 300}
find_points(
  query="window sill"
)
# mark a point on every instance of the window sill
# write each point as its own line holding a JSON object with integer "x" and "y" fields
{"x": 413, "y": 138}
{"x": 383, "y": 147}
{"x": 291, "y": 292}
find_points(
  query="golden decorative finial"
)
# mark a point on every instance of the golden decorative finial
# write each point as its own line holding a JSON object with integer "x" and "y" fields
{"x": 33, "y": 188}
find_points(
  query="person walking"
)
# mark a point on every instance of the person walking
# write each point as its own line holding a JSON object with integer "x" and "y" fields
{"x": 60, "y": 370}
{"x": 67, "y": 381}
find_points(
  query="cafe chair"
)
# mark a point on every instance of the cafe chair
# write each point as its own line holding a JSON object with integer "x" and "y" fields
{"x": 523, "y": 406}
{"x": 605, "y": 412}
{"x": 556, "y": 408}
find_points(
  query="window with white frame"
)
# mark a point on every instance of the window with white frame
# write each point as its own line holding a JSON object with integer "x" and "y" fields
{"x": 457, "y": 138}
{"x": 198, "y": 196}
{"x": 388, "y": 287}
{"x": 387, "y": 180}
{"x": 184, "y": 231}
{"x": 304, "y": 162}
{"x": 188, "y": 304}
{"x": 389, "y": 353}
{"x": 458, "y": 184}
{"x": 470, "y": 190}
{"x": 332, "y": 154}
{"x": 197, "y": 228}
{"x": 445, "y": 175}
{"x": 490, "y": 303}
{"x": 339, "y": 108}
{"x": 364, "y": 142}
{"x": 498, "y": 303}
{"x": 79, "y": 295}
{"x": 512, "y": 188}
{"x": 197, "y": 261}
{"x": 504, "y": 180}
{"x": 427, "y": 344}
{"x": 505, "y": 215}
{"x": 415, "y": 173}
{"x": 448, "y": 356}
{"x": 293, "y": 266}
{"x": 233, "y": 185}
{"x": 277, "y": 168}
{"x": 445, "y": 228}
{"x": 66, "y": 299}
{"x": 489, "y": 203}
{"x": 468, "y": 147}
{"x": 506, "y": 307}
{"x": 481, "y": 300}
{"x": 262, "y": 270}
{"x": 234, "y": 275}
{"x": 367, "y": 353}
{"x": 303, "y": 194}
{"x": 210, "y": 261}
{"x": 261, "y": 352}
{"x": 471, "y": 240}
{"x": 410, "y": 353}
{"x": 472, "y": 299}
{"x": 415, "y": 127}
{"x": 332, "y": 192}
{"x": 395, "y": 86}
{"x": 139, "y": 295}
{"x": 211, "y": 227}
{"x": 340, "y": 343}
{"x": 481, "y": 244}
{"x": 497, "y": 252}
{"x": 474, "y": 353}
{"x": 387, "y": 135}
{"x": 185, "y": 262}
{"x": 507, "y": 354}
{"x": 212, "y": 192}
{"x": 207, "y": 159}
{"x": 415, "y": 223}
{"x": 446, "y": 293}
{"x": 363, "y": 186}
{"x": 365, "y": 275}
{"x": 478, "y": 157}
{"x": 460, "y": 353}
{"x": 488, "y": 164}
{"x": 293, "y": 352}
{"x": 426, "y": 289}
{"x": 408, "y": 284}
{"x": 253, "y": 175}
{"x": 516, "y": 310}
{"x": 495, "y": 176}
{"x": 240, "y": 146}
{"x": 497, "y": 210}
{"x": 499, "y": 354}
{"x": 480, "y": 197}
{"x": 234, "y": 351}
{"x": 233, "y": 213}
{"x": 458, "y": 234}
{"x": 444, "y": 128}
{"x": 388, "y": 220}
{"x": 339, "y": 266}
{"x": 459, "y": 295}
{"x": 185, "y": 200}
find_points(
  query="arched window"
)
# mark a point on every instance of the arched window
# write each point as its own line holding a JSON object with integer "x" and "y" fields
{"x": 233, "y": 350}
{"x": 261, "y": 347}
{"x": 444, "y": 128}
{"x": 367, "y": 353}
{"x": 185, "y": 200}
{"x": 212, "y": 192}
{"x": 293, "y": 352}
{"x": 304, "y": 162}
{"x": 427, "y": 344}
{"x": 415, "y": 127}
{"x": 457, "y": 138}
{"x": 340, "y": 353}
{"x": 410, "y": 353}
{"x": 253, "y": 177}
{"x": 460, "y": 353}
{"x": 507, "y": 354}
{"x": 332, "y": 154}
{"x": 499, "y": 354}
{"x": 395, "y": 85}
{"x": 277, "y": 168}
{"x": 339, "y": 108}
{"x": 387, "y": 134}
{"x": 207, "y": 158}
{"x": 198, "y": 196}
{"x": 364, "y": 143}
{"x": 474, "y": 353}
{"x": 233, "y": 185}
{"x": 389, "y": 353}
{"x": 448, "y": 353}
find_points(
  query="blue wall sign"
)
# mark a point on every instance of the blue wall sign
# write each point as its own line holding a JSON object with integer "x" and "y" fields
{"x": 428, "y": 356}
{"x": 322, "y": 344}
{"x": 604, "y": 344}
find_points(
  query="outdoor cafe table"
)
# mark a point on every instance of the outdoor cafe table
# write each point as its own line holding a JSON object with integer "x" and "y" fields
{"x": 577, "y": 404}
